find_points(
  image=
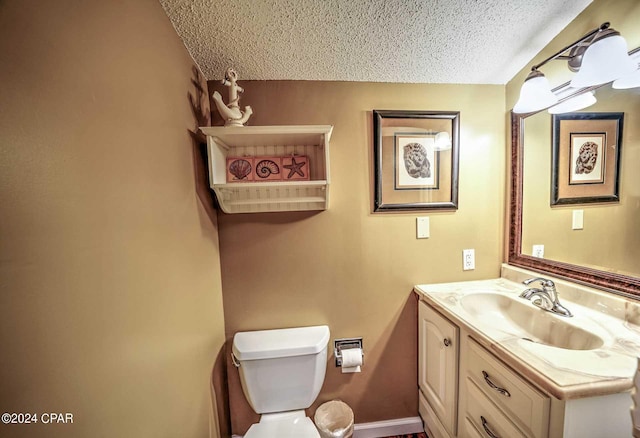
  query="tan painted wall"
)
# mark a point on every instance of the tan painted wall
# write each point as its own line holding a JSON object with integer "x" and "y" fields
{"x": 111, "y": 305}
{"x": 347, "y": 267}
{"x": 610, "y": 238}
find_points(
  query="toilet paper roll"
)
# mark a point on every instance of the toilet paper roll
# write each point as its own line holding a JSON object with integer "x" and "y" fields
{"x": 352, "y": 360}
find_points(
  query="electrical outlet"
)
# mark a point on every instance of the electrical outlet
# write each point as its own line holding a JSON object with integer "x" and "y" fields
{"x": 538, "y": 251}
{"x": 468, "y": 259}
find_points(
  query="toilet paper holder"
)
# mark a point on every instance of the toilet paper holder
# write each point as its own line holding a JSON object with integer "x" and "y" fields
{"x": 345, "y": 344}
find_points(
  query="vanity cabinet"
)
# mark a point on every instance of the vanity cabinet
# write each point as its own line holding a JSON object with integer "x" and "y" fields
{"x": 510, "y": 372}
{"x": 311, "y": 141}
{"x": 465, "y": 391}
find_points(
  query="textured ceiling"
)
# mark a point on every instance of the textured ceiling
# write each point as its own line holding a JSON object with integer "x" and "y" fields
{"x": 420, "y": 41}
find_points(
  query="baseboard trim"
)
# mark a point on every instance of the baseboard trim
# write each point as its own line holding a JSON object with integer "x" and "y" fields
{"x": 380, "y": 429}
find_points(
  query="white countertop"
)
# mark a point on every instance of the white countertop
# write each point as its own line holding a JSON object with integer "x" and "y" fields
{"x": 563, "y": 373}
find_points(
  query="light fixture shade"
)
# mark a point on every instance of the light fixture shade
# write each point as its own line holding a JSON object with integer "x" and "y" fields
{"x": 630, "y": 81}
{"x": 605, "y": 60}
{"x": 576, "y": 103}
{"x": 442, "y": 141}
{"x": 535, "y": 94}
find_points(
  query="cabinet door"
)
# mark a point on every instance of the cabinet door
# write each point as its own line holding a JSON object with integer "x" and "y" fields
{"x": 438, "y": 364}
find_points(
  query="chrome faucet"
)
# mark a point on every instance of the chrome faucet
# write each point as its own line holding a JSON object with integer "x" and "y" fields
{"x": 545, "y": 298}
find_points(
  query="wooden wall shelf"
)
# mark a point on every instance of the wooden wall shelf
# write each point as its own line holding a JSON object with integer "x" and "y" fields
{"x": 256, "y": 141}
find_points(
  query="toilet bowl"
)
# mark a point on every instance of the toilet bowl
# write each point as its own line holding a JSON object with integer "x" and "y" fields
{"x": 282, "y": 372}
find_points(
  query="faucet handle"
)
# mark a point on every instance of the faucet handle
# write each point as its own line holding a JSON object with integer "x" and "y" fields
{"x": 543, "y": 281}
{"x": 542, "y": 301}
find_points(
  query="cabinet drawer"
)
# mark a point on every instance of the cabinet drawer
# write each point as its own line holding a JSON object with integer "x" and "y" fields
{"x": 470, "y": 430}
{"x": 486, "y": 417}
{"x": 523, "y": 404}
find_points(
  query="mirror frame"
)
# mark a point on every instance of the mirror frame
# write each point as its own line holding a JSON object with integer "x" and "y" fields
{"x": 610, "y": 281}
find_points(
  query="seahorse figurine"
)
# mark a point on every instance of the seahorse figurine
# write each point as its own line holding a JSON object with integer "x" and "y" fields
{"x": 231, "y": 112}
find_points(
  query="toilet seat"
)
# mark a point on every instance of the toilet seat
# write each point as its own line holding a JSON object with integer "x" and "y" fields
{"x": 294, "y": 424}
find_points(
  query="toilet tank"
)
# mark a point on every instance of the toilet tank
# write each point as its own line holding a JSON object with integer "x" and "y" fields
{"x": 283, "y": 369}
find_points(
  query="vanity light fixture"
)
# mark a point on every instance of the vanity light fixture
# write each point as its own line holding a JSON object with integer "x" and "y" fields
{"x": 575, "y": 103}
{"x": 632, "y": 80}
{"x": 598, "y": 57}
{"x": 604, "y": 60}
{"x": 535, "y": 94}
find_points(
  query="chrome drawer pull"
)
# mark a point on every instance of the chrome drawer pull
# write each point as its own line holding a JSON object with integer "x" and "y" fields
{"x": 485, "y": 425}
{"x": 494, "y": 386}
{"x": 447, "y": 342}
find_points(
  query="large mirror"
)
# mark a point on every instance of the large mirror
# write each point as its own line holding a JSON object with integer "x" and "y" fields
{"x": 589, "y": 239}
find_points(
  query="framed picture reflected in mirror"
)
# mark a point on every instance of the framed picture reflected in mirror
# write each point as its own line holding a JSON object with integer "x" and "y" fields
{"x": 586, "y": 157}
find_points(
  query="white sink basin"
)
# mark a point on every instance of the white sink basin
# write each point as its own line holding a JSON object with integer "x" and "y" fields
{"x": 523, "y": 319}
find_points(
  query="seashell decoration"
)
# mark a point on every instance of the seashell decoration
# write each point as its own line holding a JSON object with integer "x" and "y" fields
{"x": 266, "y": 168}
{"x": 240, "y": 168}
{"x": 297, "y": 165}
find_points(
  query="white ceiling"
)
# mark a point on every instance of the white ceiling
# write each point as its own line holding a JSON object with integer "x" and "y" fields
{"x": 418, "y": 41}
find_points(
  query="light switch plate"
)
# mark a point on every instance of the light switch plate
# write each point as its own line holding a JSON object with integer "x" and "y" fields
{"x": 422, "y": 227}
{"x": 578, "y": 220}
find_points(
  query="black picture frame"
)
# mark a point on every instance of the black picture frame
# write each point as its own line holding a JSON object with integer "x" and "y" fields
{"x": 429, "y": 182}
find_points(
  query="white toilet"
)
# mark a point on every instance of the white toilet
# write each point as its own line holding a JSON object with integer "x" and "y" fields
{"x": 282, "y": 372}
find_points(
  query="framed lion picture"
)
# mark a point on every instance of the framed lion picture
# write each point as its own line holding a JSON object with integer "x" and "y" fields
{"x": 586, "y": 157}
{"x": 417, "y": 161}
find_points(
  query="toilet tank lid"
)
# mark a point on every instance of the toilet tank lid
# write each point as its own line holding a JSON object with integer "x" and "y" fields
{"x": 271, "y": 344}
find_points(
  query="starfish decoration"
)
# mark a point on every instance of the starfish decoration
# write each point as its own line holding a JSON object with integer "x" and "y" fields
{"x": 294, "y": 168}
